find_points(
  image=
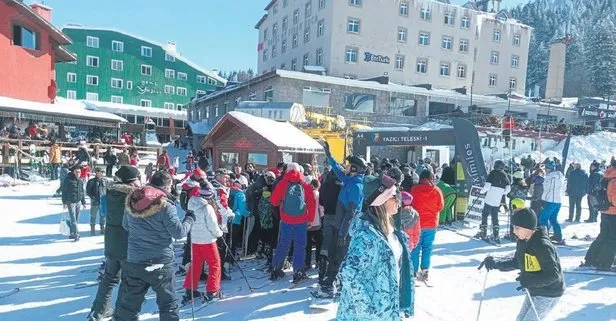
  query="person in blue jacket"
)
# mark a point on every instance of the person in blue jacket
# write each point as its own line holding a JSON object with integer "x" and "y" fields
{"x": 377, "y": 274}
{"x": 350, "y": 201}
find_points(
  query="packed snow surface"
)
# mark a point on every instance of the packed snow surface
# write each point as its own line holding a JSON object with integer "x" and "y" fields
{"x": 46, "y": 267}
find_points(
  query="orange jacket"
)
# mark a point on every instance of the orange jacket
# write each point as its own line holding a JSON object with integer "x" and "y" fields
{"x": 55, "y": 154}
{"x": 610, "y": 174}
{"x": 428, "y": 201}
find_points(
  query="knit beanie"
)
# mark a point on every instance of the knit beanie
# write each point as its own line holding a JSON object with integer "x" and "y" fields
{"x": 525, "y": 218}
{"x": 127, "y": 174}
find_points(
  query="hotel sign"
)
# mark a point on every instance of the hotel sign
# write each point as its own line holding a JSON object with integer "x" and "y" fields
{"x": 370, "y": 57}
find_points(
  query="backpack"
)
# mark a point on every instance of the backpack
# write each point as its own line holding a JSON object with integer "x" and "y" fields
{"x": 294, "y": 203}
{"x": 603, "y": 201}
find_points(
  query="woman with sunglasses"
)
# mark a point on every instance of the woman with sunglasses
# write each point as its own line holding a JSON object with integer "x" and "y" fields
{"x": 377, "y": 274}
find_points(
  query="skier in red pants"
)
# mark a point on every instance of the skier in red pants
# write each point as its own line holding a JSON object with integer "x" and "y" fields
{"x": 204, "y": 233}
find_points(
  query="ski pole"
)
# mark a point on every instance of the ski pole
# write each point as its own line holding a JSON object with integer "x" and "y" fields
{"x": 532, "y": 304}
{"x": 238, "y": 266}
{"x": 192, "y": 298}
{"x": 483, "y": 291}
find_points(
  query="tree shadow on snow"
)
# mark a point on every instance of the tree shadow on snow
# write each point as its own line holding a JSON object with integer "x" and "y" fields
{"x": 28, "y": 197}
{"x": 594, "y": 311}
{"x": 84, "y": 217}
{"x": 68, "y": 260}
{"x": 593, "y": 282}
{"x": 32, "y": 240}
{"x": 499, "y": 291}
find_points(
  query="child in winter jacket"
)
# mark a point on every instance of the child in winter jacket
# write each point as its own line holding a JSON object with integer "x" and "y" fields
{"x": 540, "y": 271}
{"x": 519, "y": 190}
{"x": 552, "y": 194}
{"x": 428, "y": 201}
{"x": 237, "y": 198}
{"x": 149, "y": 171}
{"x": 410, "y": 220}
{"x": 204, "y": 233}
{"x": 315, "y": 235}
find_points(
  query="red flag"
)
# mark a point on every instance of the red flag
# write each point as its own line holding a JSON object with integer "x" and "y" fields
{"x": 260, "y": 46}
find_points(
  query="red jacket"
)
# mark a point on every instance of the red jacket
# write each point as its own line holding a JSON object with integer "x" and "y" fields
{"x": 428, "y": 201}
{"x": 279, "y": 194}
{"x": 413, "y": 234}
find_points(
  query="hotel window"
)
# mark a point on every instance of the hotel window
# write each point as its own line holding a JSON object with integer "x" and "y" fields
{"x": 516, "y": 40}
{"x": 71, "y": 94}
{"x": 515, "y": 61}
{"x": 424, "y": 38}
{"x": 117, "y": 46}
{"x": 169, "y": 89}
{"x": 492, "y": 80}
{"x": 169, "y": 57}
{"x": 465, "y": 22}
{"x": 449, "y": 19}
{"x": 402, "y": 34}
{"x": 399, "y": 62}
{"x": 461, "y": 71}
{"x": 181, "y": 91}
{"x": 129, "y": 85}
{"x": 513, "y": 83}
{"x": 425, "y": 14}
{"x": 169, "y": 105}
{"x": 182, "y": 76}
{"x": 92, "y": 61}
{"x": 117, "y": 65}
{"x": 404, "y": 9}
{"x": 447, "y": 43}
{"x": 496, "y": 36}
{"x": 494, "y": 58}
{"x": 444, "y": 71}
{"x": 463, "y": 45}
{"x": 321, "y": 28}
{"x": 319, "y": 59}
{"x": 146, "y": 103}
{"x": 146, "y": 51}
{"x": 201, "y": 79}
{"x": 146, "y": 70}
{"x": 71, "y": 77}
{"x": 356, "y": 3}
{"x": 351, "y": 55}
{"x": 92, "y": 42}
{"x": 92, "y": 96}
{"x": 422, "y": 65}
{"x": 117, "y": 99}
{"x": 353, "y": 25}
{"x": 117, "y": 83}
{"x": 92, "y": 80}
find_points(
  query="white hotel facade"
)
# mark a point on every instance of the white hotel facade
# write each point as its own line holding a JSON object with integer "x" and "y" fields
{"x": 412, "y": 42}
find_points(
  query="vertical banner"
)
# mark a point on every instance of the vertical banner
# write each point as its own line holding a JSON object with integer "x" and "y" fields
{"x": 468, "y": 148}
{"x": 565, "y": 153}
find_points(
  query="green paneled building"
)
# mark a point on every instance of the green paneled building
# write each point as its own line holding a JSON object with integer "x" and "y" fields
{"x": 113, "y": 66}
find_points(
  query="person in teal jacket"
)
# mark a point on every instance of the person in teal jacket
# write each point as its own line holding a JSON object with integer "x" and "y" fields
{"x": 377, "y": 274}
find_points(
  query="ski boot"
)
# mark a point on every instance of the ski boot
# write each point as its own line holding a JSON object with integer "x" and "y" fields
{"x": 76, "y": 238}
{"x": 495, "y": 236}
{"x": 211, "y": 296}
{"x": 276, "y": 274}
{"x": 322, "y": 265}
{"x": 483, "y": 232}
{"x": 92, "y": 316}
{"x": 299, "y": 276}
{"x": 102, "y": 229}
{"x": 324, "y": 292}
{"x": 190, "y": 295}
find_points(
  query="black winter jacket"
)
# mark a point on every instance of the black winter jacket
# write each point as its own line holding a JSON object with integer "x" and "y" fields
{"x": 83, "y": 155}
{"x": 95, "y": 189}
{"x": 72, "y": 190}
{"x": 498, "y": 178}
{"x": 253, "y": 194}
{"x": 577, "y": 183}
{"x": 116, "y": 237}
{"x": 539, "y": 263}
{"x": 328, "y": 193}
{"x": 110, "y": 159}
{"x": 594, "y": 182}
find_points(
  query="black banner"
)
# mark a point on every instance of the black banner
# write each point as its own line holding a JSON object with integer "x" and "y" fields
{"x": 594, "y": 113}
{"x": 468, "y": 148}
{"x": 565, "y": 153}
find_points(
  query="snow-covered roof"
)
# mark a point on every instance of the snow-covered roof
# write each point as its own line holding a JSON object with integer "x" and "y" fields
{"x": 431, "y": 126}
{"x": 284, "y": 135}
{"x": 61, "y": 107}
{"x": 264, "y": 105}
{"x": 200, "y": 128}
{"x": 176, "y": 54}
{"x": 382, "y": 129}
{"x": 315, "y": 68}
{"x": 135, "y": 110}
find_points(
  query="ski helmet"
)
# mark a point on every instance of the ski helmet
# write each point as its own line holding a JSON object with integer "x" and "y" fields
{"x": 499, "y": 164}
{"x": 358, "y": 164}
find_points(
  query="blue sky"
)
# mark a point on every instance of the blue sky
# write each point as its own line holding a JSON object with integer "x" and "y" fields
{"x": 216, "y": 34}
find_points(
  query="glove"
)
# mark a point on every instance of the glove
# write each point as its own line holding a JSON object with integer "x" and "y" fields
{"x": 489, "y": 263}
{"x": 189, "y": 216}
{"x": 327, "y": 151}
{"x": 522, "y": 283}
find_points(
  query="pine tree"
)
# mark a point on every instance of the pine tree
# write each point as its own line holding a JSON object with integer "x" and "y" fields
{"x": 601, "y": 59}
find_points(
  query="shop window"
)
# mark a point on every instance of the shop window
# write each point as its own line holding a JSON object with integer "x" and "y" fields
{"x": 227, "y": 159}
{"x": 259, "y": 159}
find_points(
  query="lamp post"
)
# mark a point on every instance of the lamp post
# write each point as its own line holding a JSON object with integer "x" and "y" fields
{"x": 508, "y": 101}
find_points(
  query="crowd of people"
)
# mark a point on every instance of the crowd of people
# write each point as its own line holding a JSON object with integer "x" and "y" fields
{"x": 544, "y": 184}
{"x": 370, "y": 227}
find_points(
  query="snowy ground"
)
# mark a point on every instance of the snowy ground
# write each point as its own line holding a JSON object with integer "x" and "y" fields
{"x": 46, "y": 266}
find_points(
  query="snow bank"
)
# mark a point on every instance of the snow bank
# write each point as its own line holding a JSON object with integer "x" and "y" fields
{"x": 584, "y": 149}
{"x": 7, "y": 181}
